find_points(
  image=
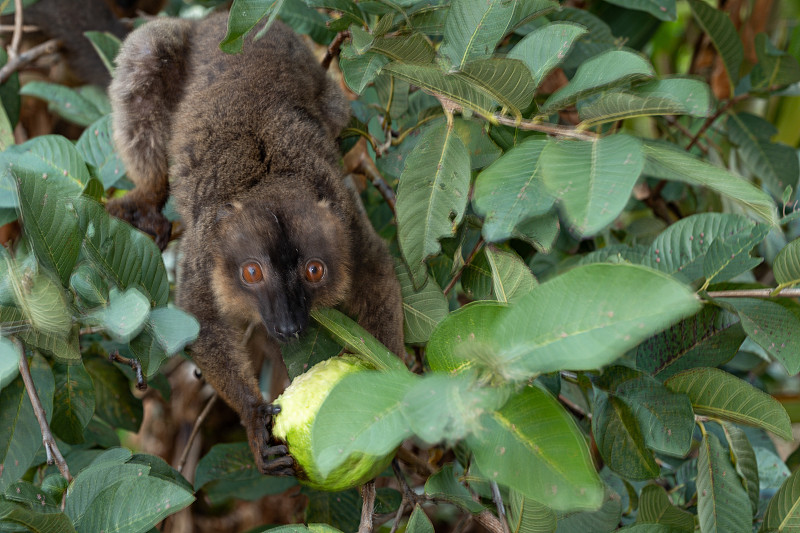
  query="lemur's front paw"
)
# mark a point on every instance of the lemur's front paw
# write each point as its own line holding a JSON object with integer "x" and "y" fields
{"x": 271, "y": 459}
{"x": 144, "y": 216}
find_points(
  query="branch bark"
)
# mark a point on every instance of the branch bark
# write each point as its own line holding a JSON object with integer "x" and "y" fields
{"x": 16, "y": 63}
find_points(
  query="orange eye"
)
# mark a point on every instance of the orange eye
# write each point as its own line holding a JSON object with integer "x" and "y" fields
{"x": 251, "y": 272}
{"x": 314, "y": 271}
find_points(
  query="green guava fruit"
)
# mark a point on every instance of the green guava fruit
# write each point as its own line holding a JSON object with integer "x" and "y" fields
{"x": 300, "y": 403}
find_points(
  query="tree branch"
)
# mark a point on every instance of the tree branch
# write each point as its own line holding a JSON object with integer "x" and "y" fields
{"x": 50, "y": 446}
{"x": 334, "y": 48}
{"x": 472, "y": 255}
{"x": 368, "y": 495}
{"x": 141, "y": 383}
{"x": 16, "y": 63}
{"x": 754, "y": 293}
{"x": 195, "y": 430}
{"x": 16, "y": 39}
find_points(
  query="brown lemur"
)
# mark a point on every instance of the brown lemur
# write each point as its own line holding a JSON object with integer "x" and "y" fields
{"x": 247, "y": 145}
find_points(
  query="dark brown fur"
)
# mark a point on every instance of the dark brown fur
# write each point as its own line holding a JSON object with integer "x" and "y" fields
{"x": 254, "y": 168}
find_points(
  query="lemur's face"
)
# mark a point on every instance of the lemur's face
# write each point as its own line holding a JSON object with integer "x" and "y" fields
{"x": 274, "y": 266}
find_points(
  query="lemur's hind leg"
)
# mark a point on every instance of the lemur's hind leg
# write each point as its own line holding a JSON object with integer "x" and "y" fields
{"x": 147, "y": 86}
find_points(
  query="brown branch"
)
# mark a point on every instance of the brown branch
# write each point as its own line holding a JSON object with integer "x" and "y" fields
{"x": 472, "y": 255}
{"x": 25, "y": 28}
{"x": 50, "y": 446}
{"x": 498, "y": 502}
{"x": 29, "y": 56}
{"x": 334, "y": 49}
{"x": 141, "y": 383}
{"x": 16, "y": 38}
{"x": 375, "y": 177}
{"x": 368, "y": 496}
{"x": 754, "y": 293}
{"x": 195, "y": 430}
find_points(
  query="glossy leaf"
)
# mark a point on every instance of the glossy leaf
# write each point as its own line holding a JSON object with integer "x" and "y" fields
{"x": 655, "y": 508}
{"x": 9, "y": 362}
{"x": 419, "y": 522}
{"x": 718, "y": 394}
{"x": 506, "y": 81}
{"x": 786, "y": 265}
{"x": 360, "y": 70}
{"x": 173, "y": 328}
{"x": 423, "y": 309}
{"x": 244, "y": 16}
{"x": 532, "y": 429}
{"x": 511, "y": 277}
{"x": 729, "y": 256}
{"x": 722, "y": 503}
{"x": 670, "y": 164}
{"x": 545, "y": 48}
{"x": 431, "y": 197}
{"x": 33, "y": 521}
{"x": 592, "y": 180}
{"x": 609, "y": 69}
{"x": 772, "y": 326}
{"x": 125, "y": 315}
{"x": 529, "y": 516}
{"x": 40, "y": 300}
{"x": 472, "y": 30}
{"x": 315, "y": 345}
{"x": 363, "y": 345}
{"x": 90, "y": 287}
{"x": 783, "y": 513}
{"x": 512, "y": 190}
{"x": 413, "y": 48}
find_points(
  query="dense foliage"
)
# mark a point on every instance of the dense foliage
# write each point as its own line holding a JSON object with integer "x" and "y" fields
{"x": 596, "y": 252}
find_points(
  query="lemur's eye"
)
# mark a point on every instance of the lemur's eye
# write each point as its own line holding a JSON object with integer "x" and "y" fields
{"x": 251, "y": 272}
{"x": 314, "y": 270}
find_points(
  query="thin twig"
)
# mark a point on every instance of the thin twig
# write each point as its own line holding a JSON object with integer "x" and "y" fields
{"x": 16, "y": 39}
{"x": 25, "y": 28}
{"x": 50, "y": 446}
{"x": 334, "y": 48}
{"x": 472, "y": 255}
{"x": 498, "y": 501}
{"x": 398, "y": 515}
{"x": 29, "y": 56}
{"x": 544, "y": 127}
{"x": 141, "y": 383}
{"x": 195, "y": 430}
{"x": 754, "y": 293}
{"x": 368, "y": 168}
{"x": 368, "y": 495}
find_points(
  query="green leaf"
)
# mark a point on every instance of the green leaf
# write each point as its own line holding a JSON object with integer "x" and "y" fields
{"x": 507, "y": 81}
{"x": 307, "y": 21}
{"x": 21, "y": 437}
{"x": 482, "y": 149}
{"x": 40, "y": 299}
{"x": 360, "y": 70}
{"x": 423, "y": 309}
{"x": 783, "y": 513}
{"x": 452, "y": 86}
{"x": 173, "y": 328}
{"x": 620, "y": 440}
{"x": 96, "y": 146}
{"x": 244, "y": 15}
{"x": 786, "y": 265}
{"x": 9, "y": 362}
{"x": 472, "y": 30}
{"x": 33, "y": 521}
{"x": 667, "y": 163}
{"x": 413, "y": 48}
{"x": 594, "y": 314}
{"x": 744, "y": 459}
{"x": 710, "y": 338}
{"x": 718, "y": 394}
{"x": 464, "y": 338}
{"x": 431, "y": 197}
{"x": 48, "y": 224}
{"x": 532, "y": 429}
{"x": 114, "y": 402}
{"x": 774, "y": 67}
{"x": 107, "y": 47}
{"x": 775, "y": 164}
{"x": 148, "y": 351}
{"x": 367, "y": 407}
{"x": 592, "y": 180}
{"x": 512, "y": 190}
{"x": 315, "y": 345}
{"x": 722, "y": 502}
{"x": 339, "y": 509}
{"x": 126, "y": 256}
{"x": 729, "y": 257}
{"x": 124, "y": 316}
{"x": 89, "y": 286}
{"x": 73, "y": 402}
{"x": 660, "y": 9}
{"x": 511, "y": 277}
{"x": 419, "y": 522}
{"x": 529, "y": 516}
{"x": 71, "y": 104}
{"x": 771, "y": 326}
{"x": 717, "y": 24}
{"x": 655, "y": 508}
{"x": 545, "y": 48}
{"x": 606, "y": 518}
{"x": 674, "y": 96}
{"x": 363, "y": 345}
{"x": 444, "y": 484}
{"x": 609, "y": 69}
